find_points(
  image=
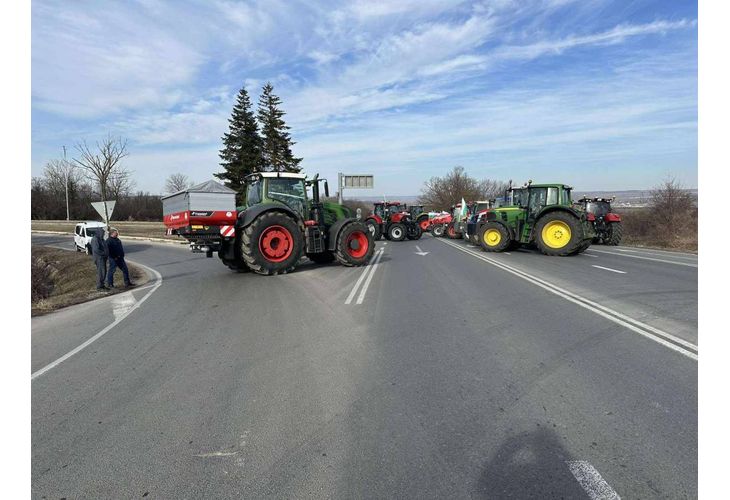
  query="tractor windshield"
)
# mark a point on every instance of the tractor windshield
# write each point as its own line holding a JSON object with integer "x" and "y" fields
{"x": 253, "y": 193}
{"x": 598, "y": 208}
{"x": 379, "y": 210}
{"x": 291, "y": 192}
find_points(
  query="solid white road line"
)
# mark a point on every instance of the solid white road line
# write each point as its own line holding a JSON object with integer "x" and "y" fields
{"x": 663, "y": 253}
{"x": 117, "y": 320}
{"x": 688, "y": 264}
{"x": 364, "y": 288}
{"x": 609, "y": 269}
{"x": 366, "y": 270}
{"x": 591, "y": 481}
{"x": 588, "y": 255}
{"x": 666, "y": 339}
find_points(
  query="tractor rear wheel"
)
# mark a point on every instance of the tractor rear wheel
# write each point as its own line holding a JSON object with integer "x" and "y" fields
{"x": 558, "y": 234}
{"x": 615, "y": 234}
{"x": 355, "y": 245}
{"x": 271, "y": 244}
{"x": 415, "y": 232}
{"x": 422, "y": 221}
{"x": 494, "y": 237}
{"x": 236, "y": 265}
{"x": 321, "y": 258}
{"x": 437, "y": 230}
{"x": 397, "y": 232}
{"x": 374, "y": 229}
{"x": 451, "y": 231}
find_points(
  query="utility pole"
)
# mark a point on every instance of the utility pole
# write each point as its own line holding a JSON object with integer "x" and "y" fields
{"x": 66, "y": 172}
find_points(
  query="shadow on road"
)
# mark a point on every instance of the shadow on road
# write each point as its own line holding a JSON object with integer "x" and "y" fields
{"x": 530, "y": 465}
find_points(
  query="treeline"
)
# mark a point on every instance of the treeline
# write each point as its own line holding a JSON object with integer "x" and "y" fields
{"x": 48, "y": 201}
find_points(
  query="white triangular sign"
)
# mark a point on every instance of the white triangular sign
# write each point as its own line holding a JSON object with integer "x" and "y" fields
{"x": 99, "y": 207}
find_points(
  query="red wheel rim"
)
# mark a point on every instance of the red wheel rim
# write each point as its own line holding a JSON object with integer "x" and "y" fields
{"x": 452, "y": 231}
{"x": 424, "y": 224}
{"x": 276, "y": 243}
{"x": 362, "y": 244}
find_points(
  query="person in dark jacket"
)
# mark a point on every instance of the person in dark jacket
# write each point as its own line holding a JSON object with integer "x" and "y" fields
{"x": 100, "y": 252}
{"x": 116, "y": 259}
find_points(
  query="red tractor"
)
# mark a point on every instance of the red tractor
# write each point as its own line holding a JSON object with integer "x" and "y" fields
{"x": 440, "y": 222}
{"x": 392, "y": 220}
{"x": 606, "y": 222}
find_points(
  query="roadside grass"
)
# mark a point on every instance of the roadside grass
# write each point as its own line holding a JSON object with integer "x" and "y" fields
{"x": 60, "y": 278}
{"x": 142, "y": 229}
{"x": 643, "y": 227}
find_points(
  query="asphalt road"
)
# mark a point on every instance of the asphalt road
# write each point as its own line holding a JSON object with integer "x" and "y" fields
{"x": 431, "y": 373}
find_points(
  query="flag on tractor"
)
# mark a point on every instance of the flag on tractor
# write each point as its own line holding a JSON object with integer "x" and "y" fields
{"x": 464, "y": 209}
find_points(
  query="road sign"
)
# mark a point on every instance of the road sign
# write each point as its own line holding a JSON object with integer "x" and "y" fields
{"x": 353, "y": 181}
{"x": 104, "y": 211}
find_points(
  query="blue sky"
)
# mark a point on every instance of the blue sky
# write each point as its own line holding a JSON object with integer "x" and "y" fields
{"x": 598, "y": 94}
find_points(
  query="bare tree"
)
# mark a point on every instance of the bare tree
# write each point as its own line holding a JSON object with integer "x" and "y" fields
{"x": 59, "y": 175}
{"x": 120, "y": 184}
{"x": 177, "y": 182}
{"x": 441, "y": 193}
{"x": 103, "y": 163}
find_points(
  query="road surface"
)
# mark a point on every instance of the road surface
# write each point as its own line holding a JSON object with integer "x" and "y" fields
{"x": 431, "y": 373}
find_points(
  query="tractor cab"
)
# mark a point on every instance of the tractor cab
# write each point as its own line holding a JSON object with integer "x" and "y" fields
{"x": 599, "y": 207}
{"x": 606, "y": 222}
{"x": 278, "y": 187}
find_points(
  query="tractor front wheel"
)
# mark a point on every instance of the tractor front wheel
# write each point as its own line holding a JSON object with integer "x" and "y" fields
{"x": 271, "y": 244}
{"x": 437, "y": 230}
{"x": 415, "y": 232}
{"x": 558, "y": 234}
{"x": 615, "y": 232}
{"x": 423, "y": 222}
{"x": 374, "y": 229}
{"x": 396, "y": 232}
{"x": 494, "y": 237}
{"x": 355, "y": 245}
{"x": 451, "y": 231}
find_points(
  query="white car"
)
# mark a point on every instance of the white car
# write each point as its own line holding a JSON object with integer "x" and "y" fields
{"x": 83, "y": 233}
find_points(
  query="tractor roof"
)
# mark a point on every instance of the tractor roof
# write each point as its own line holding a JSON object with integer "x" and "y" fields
{"x": 557, "y": 184}
{"x": 283, "y": 175}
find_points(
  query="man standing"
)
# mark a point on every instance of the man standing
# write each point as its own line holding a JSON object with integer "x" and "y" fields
{"x": 116, "y": 254}
{"x": 100, "y": 252}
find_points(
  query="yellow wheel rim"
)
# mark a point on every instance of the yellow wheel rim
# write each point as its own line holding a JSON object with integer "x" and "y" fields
{"x": 492, "y": 237}
{"x": 556, "y": 234}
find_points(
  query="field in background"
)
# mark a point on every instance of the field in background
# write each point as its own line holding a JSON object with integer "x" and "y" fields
{"x": 61, "y": 278}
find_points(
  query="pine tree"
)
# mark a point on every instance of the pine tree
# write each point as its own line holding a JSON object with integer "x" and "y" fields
{"x": 276, "y": 151}
{"x": 241, "y": 153}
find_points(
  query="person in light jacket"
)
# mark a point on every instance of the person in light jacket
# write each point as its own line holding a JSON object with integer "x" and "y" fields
{"x": 116, "y": 259}
{"x": 100, "y": 252}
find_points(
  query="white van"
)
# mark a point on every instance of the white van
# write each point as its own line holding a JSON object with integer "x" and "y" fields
{"x": 83, "y": 233}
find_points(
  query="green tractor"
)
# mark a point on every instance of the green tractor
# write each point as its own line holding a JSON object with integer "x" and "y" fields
{"x": 539, "y": 214}
{"x": 419, "y": 216}
{"x": 276, "y": 226}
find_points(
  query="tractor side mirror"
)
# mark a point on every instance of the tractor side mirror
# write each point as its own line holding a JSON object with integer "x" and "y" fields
{"x": 326, "y": 189}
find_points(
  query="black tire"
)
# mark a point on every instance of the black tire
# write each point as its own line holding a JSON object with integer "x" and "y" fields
{"x": 78, "y": 248}
{"x": 490, "y": 244}
{"x": 374, "y": 229}
{"x": 617, "y": 231}
{"x": 236, "y": 265}
{"x": 582, "y": 248}
{"x": 569, "y": 247}
{"x": 415, "y": 233}
{"x": 321, "y": 258}
{"x": 251, "y": 244}
{"x": 437, "y": 230}
{"x": 451, "y": 231}
{"x": 396, "y": 232}
{"x": 87, "y": 250}
{"x": 349, "y": 251}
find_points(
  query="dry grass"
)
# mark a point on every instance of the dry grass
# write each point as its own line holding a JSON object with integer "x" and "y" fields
{"x": 644, "y": 227}
{"x": 143, "y": 229}
{"x": 60, "y": 278}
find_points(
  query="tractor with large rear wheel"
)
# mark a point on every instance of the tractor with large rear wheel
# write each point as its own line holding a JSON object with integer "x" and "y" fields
{"x": 392, "y": 220}
{"x": 606, "y": 222}
{"x": 537, "y": 214}
{"x": 419, "y": 216}
{"x": 276, "y": 227}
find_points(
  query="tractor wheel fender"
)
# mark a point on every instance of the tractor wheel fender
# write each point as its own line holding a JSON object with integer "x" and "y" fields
{"x": 246, "y": 217}
{"x": 334, "y": 231}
